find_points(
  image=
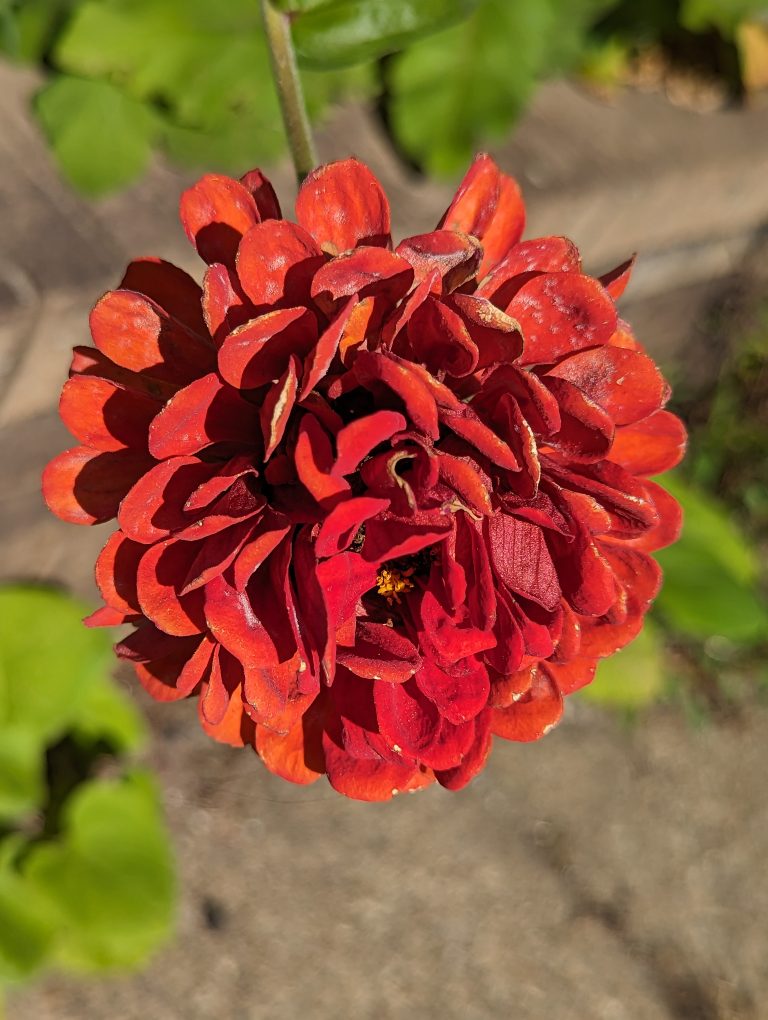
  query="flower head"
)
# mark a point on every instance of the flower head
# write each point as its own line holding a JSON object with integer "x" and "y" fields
{"x": 374, "y": 506}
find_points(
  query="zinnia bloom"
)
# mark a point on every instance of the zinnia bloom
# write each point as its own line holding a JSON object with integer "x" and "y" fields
{"x": 374, "y": 506}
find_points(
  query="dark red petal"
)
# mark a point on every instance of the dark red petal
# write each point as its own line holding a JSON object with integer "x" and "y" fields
{"x": 440, "y": 340}
{"x": 216, "y": 212}
{"x": 267, "y": 535}
{"x": 263, "y": 194}
{"x": 388, "y": 536}
{"x": 380, "y": 653}
{"x": 466, "y": 482}
{"x": 459, "y": 695}
{"x": 650, "y": 446}
{"x": 170, "y": 287}
{"x": 276, "y": 262}
{"x": 467, "y": 424}
{"x": 319, "y": 359}
{"x": 363, "y": 272}
{"x": 135, "y": 333}
{"x": 585, "y": 577}
{"x": 84, "y": 486}
{"x": 561, "y": 313}
{"x": 116, "y": 568}
{"x": 339, "y": 528}
{"x": 495, "y": 333}
{"x": 534, "y": 714}
{"x": 521, "y": 559}
{"x": 399, "y": 377}
{"x": 626, "y": 384}
{"x": 670, "y": 523}
{"x": 235, "y": 728}
{"x": 104, "y": 415}
{"x": 343, "y": 205}
{"x": 259, "y": 351}
{"x": 314, "y": 461}
{"x": 586, "y": 430}
{"x": 207, "y": 411}
{"x": 475, "y": 758}
{"x": 166, "y": 666}
{"x": 216, "y": 554}
{"x": 154, "y": 507}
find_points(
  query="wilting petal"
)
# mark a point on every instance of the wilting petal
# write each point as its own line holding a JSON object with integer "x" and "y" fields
{"x": 343, "y": 205}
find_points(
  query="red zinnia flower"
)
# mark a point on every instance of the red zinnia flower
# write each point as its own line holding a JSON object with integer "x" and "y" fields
{"x": 374, "y": 506}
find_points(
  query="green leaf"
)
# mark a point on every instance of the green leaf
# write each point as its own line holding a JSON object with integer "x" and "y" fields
{"x": 709, "y": 574}
{"x": 345, "y": 32}
{"x": 27, "y": 922}
{"x": 109, "y": 876}
{"x": 632, "y": 678}
{"x": 101, "y": 137}
{"x": 35, "y": 25}
{"x": 21, "y": 772}
{"x": 48, "y": 660}
{"x": 453, "y": 93}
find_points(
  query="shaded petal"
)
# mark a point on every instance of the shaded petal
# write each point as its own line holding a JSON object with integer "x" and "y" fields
{"x": 159, "y": 578}
{"x": 380, "y": 653}
{"x": 216, "y": 212}
{"x": 259, "y": 351}
{"x": 521, "y": 559}
{"x": 170, "y": 287}
{"x": 116, "y": 568}
{"x": 85, "y": 486}
{"x": 339, "y": 528}
{"x": 104, "y": 415}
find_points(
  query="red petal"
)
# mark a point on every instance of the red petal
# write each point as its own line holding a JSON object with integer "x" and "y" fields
{"x": 116, "y": 568}
{"x": 496, "y": 334}
{"x": 216, "y": 554}
{"x": 369, "y": 779}
{"x": 277, "y": 407}
{"x": 276, "y": 262}
{"x": 571, "y": 676}
{"x": 380, "y": 653}
{"x": 104, "y": 415}
{"x": 84, "y": 486}
{"x": 160, "y": 576}
{"x": 459, "y": 695}
{"x": 207, "y": 411}
{"x": 615, "y": 282}
{"x": 224, "y": 305}
{"x": 154, "y": 507}
{"x": 263, "y": 194}
{"x": 440, "y": 340}
{"x": 670, "y": 523}
{"x": 356, "y": 440}
{"x": 585, "y": 576}
{"x": 626, "y": 384}
{"x": 268, "y": 534}
{"x": 467, "y": 424}
{"x": 506, "y": 227}
{"x": 216, "y": 212}
{"x": 539, "y": 255}
{"x": 173, "y": 289}
{"x": 314, "y": 460}
{"x": 235, "y": 727}
{"x": 137, "y": 334}
{"x": 650, "y": 446}
{"x": 399, "y": 377}
{"x": 343, "y": 205}
{"x": 339, "y": 528}
{"x": 443, "y": 259}
{"x": 363, "y": 272}
{"x": 319, "y": 359}
{"x": 296, "y": 755}
{"x": 474, "y": 760}
{"x": 561, "y": 313}
{"x": 586, "y": 430}
{"x": 344, "y": 579}
{"x": 534, "y": 714}
{"x": 521, "y": 559}
{"x": 167, "y": 667}
{"x": 259, "y": 351}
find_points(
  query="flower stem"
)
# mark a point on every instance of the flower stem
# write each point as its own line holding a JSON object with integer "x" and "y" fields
{"x": 288, "y": 83}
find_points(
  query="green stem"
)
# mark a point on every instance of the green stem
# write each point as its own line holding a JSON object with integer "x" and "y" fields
{"x": 286, "y": 74}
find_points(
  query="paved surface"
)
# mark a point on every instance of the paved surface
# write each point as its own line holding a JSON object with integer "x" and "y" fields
{"x": 603, "y": 874}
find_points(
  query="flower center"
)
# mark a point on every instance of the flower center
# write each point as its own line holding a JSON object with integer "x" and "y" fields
{"x": 391, "y": 583}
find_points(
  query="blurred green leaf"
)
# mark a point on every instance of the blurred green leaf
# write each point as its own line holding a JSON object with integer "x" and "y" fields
{"x": 345, "y": 32}
{"x": 21, "y": 772}
{"x": 632, "y": 678}
{"x": 101, "y": 138}
{"x": 107, "y": 714}
{"x": 109, "y": 875}
{"x": 48, "y": 660}
{"x": 709, "y": 574}
{"x": 454, "y": 92}
{"x": 31, "y": 26}
{"x": 27, "y": 923}
{"x": 724, "y": 15}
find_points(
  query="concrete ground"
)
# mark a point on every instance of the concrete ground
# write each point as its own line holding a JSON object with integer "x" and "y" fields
{"x": 606, "y": 873}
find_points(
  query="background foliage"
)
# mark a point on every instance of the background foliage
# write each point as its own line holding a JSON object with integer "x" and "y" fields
{"x": 86, "y": 873}
{"x": 192, "y": 77}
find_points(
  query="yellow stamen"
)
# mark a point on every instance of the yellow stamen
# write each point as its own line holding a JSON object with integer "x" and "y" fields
{"x": 391, "y": 583}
